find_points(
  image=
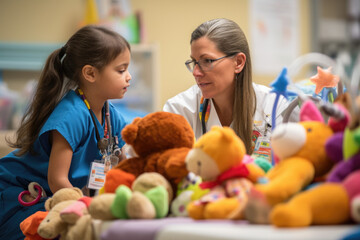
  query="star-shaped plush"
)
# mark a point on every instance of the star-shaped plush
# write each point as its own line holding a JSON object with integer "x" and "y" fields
{"x": 323, "y": 79}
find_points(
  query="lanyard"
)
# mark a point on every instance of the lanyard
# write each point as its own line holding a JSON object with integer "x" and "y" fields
{"x": 106, "y": 143}
{"x": 204, "y": 112}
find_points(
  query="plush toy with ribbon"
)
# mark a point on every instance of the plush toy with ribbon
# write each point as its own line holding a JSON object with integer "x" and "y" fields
{"x": 217, "y": 158}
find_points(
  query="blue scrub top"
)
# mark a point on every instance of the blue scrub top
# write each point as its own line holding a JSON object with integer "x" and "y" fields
{"x": 73, "y": 121}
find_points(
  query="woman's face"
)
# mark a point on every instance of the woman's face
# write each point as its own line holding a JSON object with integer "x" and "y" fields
{"x": 220, "y": 79}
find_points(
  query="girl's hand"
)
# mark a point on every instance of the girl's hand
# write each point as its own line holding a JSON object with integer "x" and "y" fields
{"x": 59, "y": 163}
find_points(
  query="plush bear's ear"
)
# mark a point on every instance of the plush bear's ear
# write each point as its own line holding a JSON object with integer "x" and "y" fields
{"x": 228, "y": 134}
{"x": 48, "y": 204}
{"x": 309, "y": 112}
{"x": 129, "y": 133}
{"x": 136, "y": 120}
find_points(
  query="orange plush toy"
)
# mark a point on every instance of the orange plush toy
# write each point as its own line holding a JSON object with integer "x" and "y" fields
{"x": 30, "y": 225}
{"x": 161, "y": 141}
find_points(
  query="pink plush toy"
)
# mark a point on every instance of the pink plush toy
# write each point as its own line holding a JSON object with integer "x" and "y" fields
{"x": 76, "y": 210}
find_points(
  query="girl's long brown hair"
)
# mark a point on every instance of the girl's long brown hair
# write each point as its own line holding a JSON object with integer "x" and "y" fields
{"x": 91, "y": 45}
{"x": 229, "y": 38}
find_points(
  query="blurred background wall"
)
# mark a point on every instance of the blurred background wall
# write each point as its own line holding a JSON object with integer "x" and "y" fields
{"x": 168, "y": 25}
{"x": 278, "y": 31}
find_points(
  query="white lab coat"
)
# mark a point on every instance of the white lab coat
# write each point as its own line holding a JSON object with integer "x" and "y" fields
{"x": 187, "y": 104}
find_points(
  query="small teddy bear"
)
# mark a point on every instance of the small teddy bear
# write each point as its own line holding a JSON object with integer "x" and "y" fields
{"x": 52, "y": 225}
{"x": 217, "y": 158}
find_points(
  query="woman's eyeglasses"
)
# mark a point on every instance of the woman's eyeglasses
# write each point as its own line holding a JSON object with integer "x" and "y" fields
{"x": 204, "y": 64}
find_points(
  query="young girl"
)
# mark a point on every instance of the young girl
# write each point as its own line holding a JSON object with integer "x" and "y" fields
{"x": 68, "y": 124}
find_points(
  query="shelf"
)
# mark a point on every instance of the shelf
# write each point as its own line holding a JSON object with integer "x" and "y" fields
{"x": 32, "y": 56}
{"x": 144, "y": 68}
{"x": 25, "y": 56}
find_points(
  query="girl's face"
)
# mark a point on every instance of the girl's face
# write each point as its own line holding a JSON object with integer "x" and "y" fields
{"x": 220, "y": 79}
{"x": 114, "y": 78}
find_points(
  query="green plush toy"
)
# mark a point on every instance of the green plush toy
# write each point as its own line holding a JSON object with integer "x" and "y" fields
{"x": 149, "y": 198}
{"x": 188, "y": 190}
{"x": 263, "y": 163}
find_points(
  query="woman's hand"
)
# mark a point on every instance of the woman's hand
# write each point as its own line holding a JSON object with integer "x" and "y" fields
{"x": 59, "y": 163}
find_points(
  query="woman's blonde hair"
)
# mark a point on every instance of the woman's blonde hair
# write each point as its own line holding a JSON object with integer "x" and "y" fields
{"x": 229, "y": 38}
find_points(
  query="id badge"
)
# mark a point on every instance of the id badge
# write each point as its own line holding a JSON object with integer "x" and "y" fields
{"x": 262, "y": 148}
{"x": 96, "y": 176}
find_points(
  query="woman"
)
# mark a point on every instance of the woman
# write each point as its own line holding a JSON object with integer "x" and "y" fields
{"x": 224, "y": 93}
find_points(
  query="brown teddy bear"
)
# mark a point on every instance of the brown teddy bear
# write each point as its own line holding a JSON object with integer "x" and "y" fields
{"x": 161, "y": 141}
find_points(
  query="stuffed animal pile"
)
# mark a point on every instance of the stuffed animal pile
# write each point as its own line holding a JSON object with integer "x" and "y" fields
{"x": 141, "y": 187}
{"x": 335, "y": 200}
{"x": 314, "y": 181}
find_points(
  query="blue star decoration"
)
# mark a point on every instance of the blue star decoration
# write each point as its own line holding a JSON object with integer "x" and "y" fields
{"x": 279, "y": 85}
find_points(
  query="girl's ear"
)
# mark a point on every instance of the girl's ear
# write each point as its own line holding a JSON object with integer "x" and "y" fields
{"x": 89, "y": 73}
{"x": 240, "y": 59}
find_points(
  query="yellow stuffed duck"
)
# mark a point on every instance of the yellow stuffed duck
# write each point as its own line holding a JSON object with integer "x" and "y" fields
{"x": 300, "y": 152}
{"x": 217, "y": 157}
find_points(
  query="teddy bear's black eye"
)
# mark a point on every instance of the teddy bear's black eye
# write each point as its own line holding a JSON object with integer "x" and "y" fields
{"x": 309, "y": 130}
{"x": 48, "y": 220}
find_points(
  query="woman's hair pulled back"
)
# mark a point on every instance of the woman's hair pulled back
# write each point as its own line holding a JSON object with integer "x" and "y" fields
{"x": 229, "y": 39}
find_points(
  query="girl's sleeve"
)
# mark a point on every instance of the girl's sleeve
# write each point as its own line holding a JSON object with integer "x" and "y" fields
{"x": 73, "y": 126}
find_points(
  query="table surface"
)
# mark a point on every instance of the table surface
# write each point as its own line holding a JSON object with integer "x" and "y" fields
{"x": 212, "y": 231}
{"x": 189, "y": 229}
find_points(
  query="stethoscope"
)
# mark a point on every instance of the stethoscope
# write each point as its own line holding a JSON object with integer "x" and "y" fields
{"x": 109, "y": 143}
{"x": 203, "y": 113}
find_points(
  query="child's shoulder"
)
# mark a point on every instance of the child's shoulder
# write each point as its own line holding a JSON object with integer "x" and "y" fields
{"x": 70, "y": 106}
{"x": 71, "y": 101}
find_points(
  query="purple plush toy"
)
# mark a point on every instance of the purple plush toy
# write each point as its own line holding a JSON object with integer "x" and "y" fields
{"x": 334, "y": 149}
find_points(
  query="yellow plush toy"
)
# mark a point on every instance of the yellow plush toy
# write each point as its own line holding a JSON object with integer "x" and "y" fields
{"x": 300, "y": 149}
{"x": 333, "y": 201}
{"x": 217, "y": 158}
